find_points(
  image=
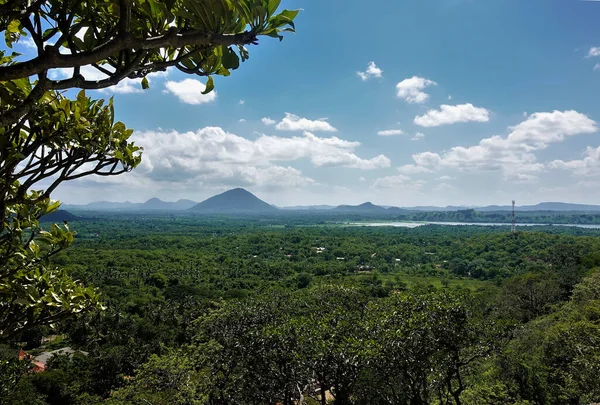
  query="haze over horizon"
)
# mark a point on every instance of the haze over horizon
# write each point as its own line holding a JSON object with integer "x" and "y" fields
{"x": 155, "y": 200}
{"x": 449, "y": 102}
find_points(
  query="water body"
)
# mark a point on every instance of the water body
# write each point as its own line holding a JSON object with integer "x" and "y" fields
{"x": 417, "y": 224}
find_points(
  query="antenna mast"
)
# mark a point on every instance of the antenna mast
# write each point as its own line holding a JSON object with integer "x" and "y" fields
{"x": 513, "y": 228}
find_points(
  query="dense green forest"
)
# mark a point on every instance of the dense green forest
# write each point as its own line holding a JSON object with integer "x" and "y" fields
{"x": 209, "y": 310}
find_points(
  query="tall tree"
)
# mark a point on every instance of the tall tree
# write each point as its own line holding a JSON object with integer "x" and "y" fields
{"x": 47, "y": 138}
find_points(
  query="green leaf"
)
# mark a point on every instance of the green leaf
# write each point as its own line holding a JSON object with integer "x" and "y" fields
{"x": 230, "y": 59}
{"x": 210, "y": 85}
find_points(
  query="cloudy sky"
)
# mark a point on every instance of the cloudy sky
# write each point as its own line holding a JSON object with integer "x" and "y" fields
{"x": 396, "y": 102}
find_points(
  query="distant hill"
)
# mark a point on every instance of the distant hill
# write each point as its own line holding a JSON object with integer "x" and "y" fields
{"x": 158, "y": 204}
{"x": 102, "y": 206}
{"x": 153, "y": 204}
{"x": 544, "y": 206}
{"x": 397, "y": 210}
{"x": 308, "y": 207}
{"x": 365, "y": 208}
{"x": 237, "y": 200}
{"x": 58, "y": 217}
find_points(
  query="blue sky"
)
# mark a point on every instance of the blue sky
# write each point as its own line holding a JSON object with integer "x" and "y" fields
{"x": 483, "y": 102}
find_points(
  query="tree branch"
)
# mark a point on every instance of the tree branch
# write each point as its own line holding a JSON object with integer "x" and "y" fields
{"x": 15, "y": 114}
{"x": 52, "y": 58}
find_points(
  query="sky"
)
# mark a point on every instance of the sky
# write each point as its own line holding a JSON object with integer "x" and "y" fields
{"x": 438, "y": 102}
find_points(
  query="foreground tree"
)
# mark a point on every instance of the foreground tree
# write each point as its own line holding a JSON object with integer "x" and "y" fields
{"x": 47, "y": 139}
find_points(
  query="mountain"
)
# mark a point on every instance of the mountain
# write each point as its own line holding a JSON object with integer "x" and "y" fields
{"x": 103, "y": 206}
{"x": 58, "y": 217}
{"x": 365, "y": 207}
{"x": 184, "y": 204}
{"x": 397, "y": 210}
{"x": 430, "y": 208}
{"x": 233, "y": 201}
{"x": 153, "y": 204}
{"x": 544, "y": 206}
{"x": 308, "y": 207}
{"x": 158, "y": 204}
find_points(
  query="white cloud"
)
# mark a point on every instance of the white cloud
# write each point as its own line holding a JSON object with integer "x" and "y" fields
{"x": 125, "y": 86}
{"x": 449, "y": 97}
{"x": 445, "y": 178}
{"x": 214, "y": 157}
{"x": 589, "y": 165}
{"x": 451, "y": 114}
{"x": 413, "y": 169}
{"x": 362, "y": 179}
{"x": 189, "y": 91}
{"x": 321, "y": 151}
{"x": 411, "y": 89}
{"x": 242, "y": 120}
{"x": 268, "y": 121}
{"x": 28, "y": 42}
{"x": 418, "y": 136}
{"x": 390, "y": 132}
{"x": 292, "y": 122}
{"x": 512, "y": 154}
{"x": 594, "y": 51}
{"x": 596, "y": 66}
{"x": 372, "y": 71}
{"x": 242, "y": 102}
{"x": 520, "y": 178}
{"x": 443, "y": 188}
{"x": 398, "y": 181}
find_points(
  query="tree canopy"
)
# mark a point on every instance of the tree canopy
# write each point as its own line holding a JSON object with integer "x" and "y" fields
{"x": 47, "y": 138}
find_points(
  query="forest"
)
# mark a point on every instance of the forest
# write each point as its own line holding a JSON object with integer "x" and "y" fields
{"x": 248, "y": 311}
{"x": 307, "y": 308}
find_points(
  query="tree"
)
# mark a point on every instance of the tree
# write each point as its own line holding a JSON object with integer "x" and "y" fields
{"x": 47, "y": 138}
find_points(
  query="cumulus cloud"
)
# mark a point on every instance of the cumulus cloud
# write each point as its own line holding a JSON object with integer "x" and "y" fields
{"x": 242, "y": 102}
{"x": 293, "y": 122}
{"x": 399, "y": 181}
{"x": 213, "y": 157}
{"x": 445, "y": 178}
{"x": 372, "y": 71}
{"x": 189, "y": 91}
{"x": 411, "y": 89}
{"x": 452, "y": 114}
{"x": 125, "y": 86}
{"x": 513, "y": 153}
{"x": 596, "y": 66}
{"x": 413, "y": 169}
{"x": 268, "y": 121}
{"x": 521, "y": 178}
{"x": 594, "y": 51}
{"x": 390, "y": 132}
{"x": 28, "y": 42}
{"x": 418, "y": 136}
{"x": 443, "y": 188}
{"x": 588, "y": 165}
{"x": 242, "y": 120}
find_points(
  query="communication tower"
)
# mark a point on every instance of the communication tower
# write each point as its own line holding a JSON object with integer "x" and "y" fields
{"x": 513, "y": 228}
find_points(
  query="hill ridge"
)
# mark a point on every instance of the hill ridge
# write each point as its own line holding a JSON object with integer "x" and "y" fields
{"x": 237, "y": 200}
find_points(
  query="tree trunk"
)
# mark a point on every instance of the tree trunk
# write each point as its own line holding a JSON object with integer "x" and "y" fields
{"x": 323, "y": 395}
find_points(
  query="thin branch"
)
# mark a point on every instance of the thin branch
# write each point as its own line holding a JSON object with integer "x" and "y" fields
{"x": 27, "y": 105}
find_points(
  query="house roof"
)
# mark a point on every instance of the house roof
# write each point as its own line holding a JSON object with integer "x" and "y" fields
{"x": 65, "y": 351}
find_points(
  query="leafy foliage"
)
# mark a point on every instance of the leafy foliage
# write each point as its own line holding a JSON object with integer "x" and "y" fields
{"x": 47, "y": 138}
